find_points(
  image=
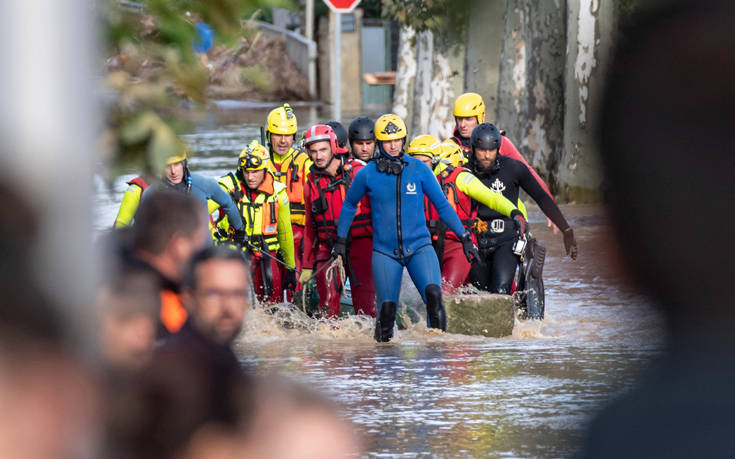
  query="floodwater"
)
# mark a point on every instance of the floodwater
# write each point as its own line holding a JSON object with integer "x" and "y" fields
{"x": 429, "y": 394}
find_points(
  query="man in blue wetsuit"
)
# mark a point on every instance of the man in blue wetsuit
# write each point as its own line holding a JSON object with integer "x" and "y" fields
{"x": 396, "y": 185}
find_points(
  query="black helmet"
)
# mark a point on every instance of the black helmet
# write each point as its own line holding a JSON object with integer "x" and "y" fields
{"x": 362, "y": 128}
{"x": 339, "y": 131}
{"x": 485, "y": 136}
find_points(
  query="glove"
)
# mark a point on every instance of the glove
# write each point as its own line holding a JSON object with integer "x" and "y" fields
{"x": 305, "y": 277}
{"x": 520, "y": 222}
{"x": 241, "y": 237}
{"x": 468, "y": 247}
{"x": 340, "y": 249}
{"x": 570, "y": 244}
{"x": 290, "y": 280}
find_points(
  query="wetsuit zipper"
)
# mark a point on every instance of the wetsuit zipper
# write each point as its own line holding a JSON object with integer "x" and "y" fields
{"x": 398, "y": 213}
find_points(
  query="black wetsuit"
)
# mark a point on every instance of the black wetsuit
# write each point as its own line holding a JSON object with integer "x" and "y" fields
{"x": 506, "y": 176}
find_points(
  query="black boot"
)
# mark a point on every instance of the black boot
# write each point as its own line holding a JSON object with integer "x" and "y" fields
{"x": 435, "y": 307}
{"x": 384, "y": 324}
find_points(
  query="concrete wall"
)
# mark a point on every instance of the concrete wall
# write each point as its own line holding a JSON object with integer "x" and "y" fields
{"x": 487, "y": 27}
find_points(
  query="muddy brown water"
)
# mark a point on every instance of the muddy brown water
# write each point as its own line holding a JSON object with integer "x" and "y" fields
{"x": 440, "y": 395}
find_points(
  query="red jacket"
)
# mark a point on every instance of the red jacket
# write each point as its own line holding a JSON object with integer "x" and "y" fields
{"x": 323, "y": 198}
{"x": 460, "y": 202}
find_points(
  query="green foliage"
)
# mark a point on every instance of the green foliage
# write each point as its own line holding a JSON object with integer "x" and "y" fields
{"x": 445, "y": 17}
{"x": 153, "y": 67}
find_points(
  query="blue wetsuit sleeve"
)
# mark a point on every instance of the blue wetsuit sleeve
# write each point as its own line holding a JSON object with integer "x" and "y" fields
{"x": 217, "y": 194}
{"x": 434, "y": 192}
{"x": 357, "y": 191}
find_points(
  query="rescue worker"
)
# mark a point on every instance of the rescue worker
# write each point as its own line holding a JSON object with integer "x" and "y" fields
{"x": 469, "y": 111}
{"x": 507, "y": 176}
{"x": 289, "y": 166}
{"x": 343, "y": 150}
{"x": 264, "y": 207}
{"x": 178, "y": 177}
{"x": 329, "y": 181}
{"x": 361, "y": 136}
{"x": 130, "y": 202}
{"x": 463, "y": 191}
{"x": 396, "y": 185}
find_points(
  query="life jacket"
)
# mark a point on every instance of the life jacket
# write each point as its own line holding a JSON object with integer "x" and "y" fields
{"x": 140, "y": 181}
{"x": 259, "y": 214}
{"x": 327, "y": 196}
{"x": 292, "y": 172}
{"x": 462, "y": 204}
{"x": 173, "y": 315}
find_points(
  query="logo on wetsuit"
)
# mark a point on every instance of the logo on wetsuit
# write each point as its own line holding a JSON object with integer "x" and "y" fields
{"x": 497, "y": 186}
{"x": 410, "y": 188}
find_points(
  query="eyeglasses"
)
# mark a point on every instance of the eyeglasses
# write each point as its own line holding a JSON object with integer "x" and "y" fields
{"x": 216, "y": 294}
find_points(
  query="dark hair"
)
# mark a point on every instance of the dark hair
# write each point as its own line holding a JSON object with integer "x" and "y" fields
{"x": 161, "y": 214}
{"x": 128, "y": 291}
{"x": 223, "y": 253}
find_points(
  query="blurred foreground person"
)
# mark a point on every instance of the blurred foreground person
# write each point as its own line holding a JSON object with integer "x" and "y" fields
{"x": 287, "y": 420}
{"x": 48, "y": 399}
{"x": 169, "y": 227}
{"x": 673, "y": 215}
{"x": 128, "y": 309}
{"x": 195, "y": 380}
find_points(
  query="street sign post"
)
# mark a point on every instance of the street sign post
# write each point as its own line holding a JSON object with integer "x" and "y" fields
{"x": 338, "y": 7}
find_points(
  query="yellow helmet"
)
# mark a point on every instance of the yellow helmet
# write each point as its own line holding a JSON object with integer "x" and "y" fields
{"x": 179, "y": 156}
{"x": 390, "y": 127}
{"x": 282, "y": 121}
{"x": 450, "y": 153}
{"x": 470, "y": 104}
{"x": 254, "y": 157}
{"x": 423, "y": 145}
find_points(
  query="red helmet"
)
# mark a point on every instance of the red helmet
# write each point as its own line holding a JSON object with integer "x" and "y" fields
{"x": 320, "y": 132}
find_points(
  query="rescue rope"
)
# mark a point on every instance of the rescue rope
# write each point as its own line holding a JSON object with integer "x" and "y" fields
{"x": 330, "y": 266}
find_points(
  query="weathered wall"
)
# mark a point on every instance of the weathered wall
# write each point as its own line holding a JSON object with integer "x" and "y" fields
{"x": 591, "y": 24}
{"x": 531, "y": 89}
{"x": 485, "y": 31}
{"x": 543, "y": 60}
{"x": 425, "y": 103}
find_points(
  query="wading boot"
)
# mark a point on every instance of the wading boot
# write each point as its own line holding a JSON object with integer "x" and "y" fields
{"x": 435, "y": 307}
{"x": 385, "y": 321}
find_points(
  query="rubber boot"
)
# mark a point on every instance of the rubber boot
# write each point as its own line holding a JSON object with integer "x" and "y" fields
{"x": 385, "y": 321}
{"x": 435, "y": 307}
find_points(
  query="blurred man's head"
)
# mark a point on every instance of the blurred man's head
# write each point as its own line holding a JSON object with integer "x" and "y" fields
{"x": 217, "y": 293}
{"x": 667, "y": 199}
{"x": 169, "y": 227}
{"x": 128, "y": 305}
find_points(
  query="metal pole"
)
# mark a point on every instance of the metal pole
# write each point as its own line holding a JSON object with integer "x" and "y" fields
{"x": 336, "y": 74}
{"x": 309, "y": 33}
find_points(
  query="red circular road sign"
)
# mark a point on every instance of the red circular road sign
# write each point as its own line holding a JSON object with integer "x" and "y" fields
{"x": 342, "y": 6}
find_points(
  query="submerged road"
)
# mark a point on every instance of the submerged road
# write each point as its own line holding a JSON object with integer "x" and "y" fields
{"x": 429, "y": 394}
